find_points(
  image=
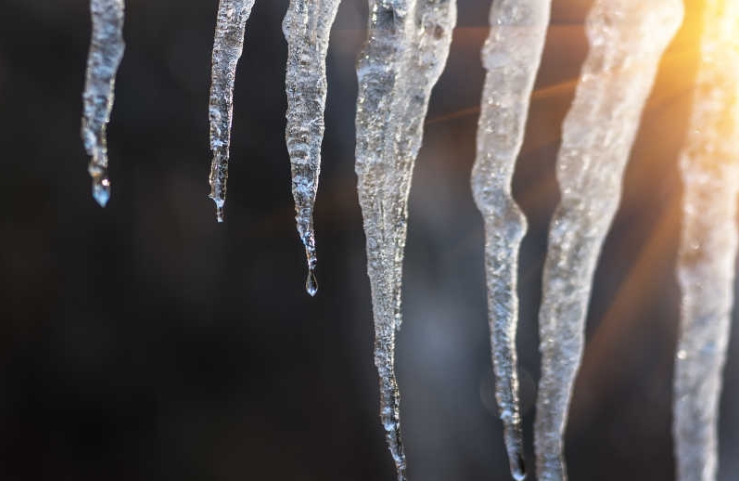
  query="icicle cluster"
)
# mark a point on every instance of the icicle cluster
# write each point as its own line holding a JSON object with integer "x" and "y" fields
{"x": 106, "y": 52}
{"x": 710, "y": 173}
{"x": 406, "y": 51}
{"x": 511, "y": 56}
{"x": 227, "y": 48}
{"x": 404, "y": 56}
{"x": 627, "y": 39}
{"x": 307, "y": 27}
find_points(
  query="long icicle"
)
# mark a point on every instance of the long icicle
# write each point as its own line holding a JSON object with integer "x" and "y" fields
{"x": 227, "y": 48}
{"x": 627, "y": 39}
{"x": 710, "y": 171}
{"x": 511, "y": 56}
{"x": 307, "y": 27}
{"x": 404, "y": 56}
{"x": 106, "y": 52}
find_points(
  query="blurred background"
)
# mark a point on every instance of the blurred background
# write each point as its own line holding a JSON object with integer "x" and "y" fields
{"x": 146, "y": 342}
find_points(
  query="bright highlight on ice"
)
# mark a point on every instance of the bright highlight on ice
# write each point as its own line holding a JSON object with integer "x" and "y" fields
{"x": 710, "y": 172}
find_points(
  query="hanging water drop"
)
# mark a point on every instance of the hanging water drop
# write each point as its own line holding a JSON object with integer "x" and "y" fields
{"x": 104, "y": 58}
{"x": 627, "y": 39}
{"x": 227, "y": 48}
{"x": 311, "y": 283}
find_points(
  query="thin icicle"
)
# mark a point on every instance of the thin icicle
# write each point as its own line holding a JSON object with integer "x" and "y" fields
{"x": 227, "y": 48}
{"x": 511, "y": 56}
{"x": 307, "y": 27}
{"x": 106, "y": 52}
{"x": 710, "y": 173}
{"x": 403, "y": 58}
{"x": 627, "y": 39}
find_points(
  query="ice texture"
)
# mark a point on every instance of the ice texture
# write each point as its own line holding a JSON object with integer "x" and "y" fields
{"x": 627, "y": 39}
{"x": 106, "y": 52}
{"x": 709, "y": 165}
{"x": 307, "y": 27}
{"x": 511, "y": 56}
{"x": 407, "y": 48}
{"x": 227, "y": 48}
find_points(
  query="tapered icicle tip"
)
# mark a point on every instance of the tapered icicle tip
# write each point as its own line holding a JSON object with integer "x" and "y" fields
{"x": 219, "y": 207}
{"x": 311, "y": 283}
{"x": 100, "y": 186}
{"x": 309, "y": 241}
{"x": 518, "y": 467}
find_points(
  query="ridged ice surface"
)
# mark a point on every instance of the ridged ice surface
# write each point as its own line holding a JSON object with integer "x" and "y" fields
{"x": 403, "y": 58}
{"x": 227, "y": 48}
{"x": 627, "y": 39}
{"x": 307, "y": 27}
{"x": 511, "y": 56}
{"x": 710, "y": 171}
{"x": 106, "y": 52}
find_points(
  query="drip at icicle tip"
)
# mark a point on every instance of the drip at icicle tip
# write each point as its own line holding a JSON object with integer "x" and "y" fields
{"x": 219, "y": 207}
{"x": 311, "y": 283}
{"x": 100, "y": 185}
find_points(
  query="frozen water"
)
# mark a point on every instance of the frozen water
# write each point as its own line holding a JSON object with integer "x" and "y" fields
{"x": 404, "y": 56}
{"x": 710, "y": 172}
{"x": 227, "y": 48}
{"x": 511, "y": 56}
{"x": 106, "y": 52}
{"x": 627, "y": 39}
{"x": 307, "y": 27}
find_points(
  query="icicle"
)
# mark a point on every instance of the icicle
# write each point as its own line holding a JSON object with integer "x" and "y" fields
{"x": 404, "y": 56}
{"x": 307, "y": 27}
{"x": 627, "y": 39}
{"x": 710, "y": 173}
{"x": 227, "y": 48}
{"x": 106, "y": 52}
{"x": 511, "y": 56}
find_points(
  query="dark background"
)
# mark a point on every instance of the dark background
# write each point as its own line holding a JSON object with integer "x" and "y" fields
{"x": 145, "y": 342}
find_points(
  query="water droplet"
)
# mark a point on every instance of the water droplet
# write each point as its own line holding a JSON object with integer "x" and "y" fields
{"x": 311, "y": 284}
{"x": 101, "y": 191}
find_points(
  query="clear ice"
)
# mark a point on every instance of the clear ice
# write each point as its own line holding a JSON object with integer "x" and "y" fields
{"x": 227, "y": 48}
{"x": 406, "y": 50}
{"x": 106, "y": 52}
{"x": 710, "y": 172}
{"x": 627, "y": 39}
{"x": 511, "y": 56}
{"x": 307, "y": 27}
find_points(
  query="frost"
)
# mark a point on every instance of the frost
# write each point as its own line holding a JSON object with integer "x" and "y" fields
{"x": 106, "y": 52}
{"x": 307, "y": 27}
{"x": 627, "y": 39}
{"x": 403, "y": 58}
{"x": 227, "y": 48}
{"x": 710, "y": 172}
{"x": 511, "y": 56}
